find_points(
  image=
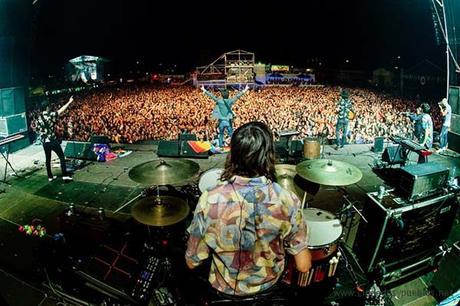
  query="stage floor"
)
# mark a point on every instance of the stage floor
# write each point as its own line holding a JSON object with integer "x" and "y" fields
{"x": 107, "y": 185}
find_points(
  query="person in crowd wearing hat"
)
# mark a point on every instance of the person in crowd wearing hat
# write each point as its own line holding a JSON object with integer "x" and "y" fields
{"x": 223, "y": 111}
{"x": 426, "y": 138}
{"x": 45, "y": 127}
{"x": 344, "y": 107}
{"x": 446, "y": 112}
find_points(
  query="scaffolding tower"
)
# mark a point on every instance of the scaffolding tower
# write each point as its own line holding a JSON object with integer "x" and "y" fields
{"x": 235, "y": 68}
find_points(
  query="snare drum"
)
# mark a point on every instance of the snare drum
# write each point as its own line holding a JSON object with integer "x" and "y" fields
{"x": 325, "y": 231}
{"x": 210, "y": 179}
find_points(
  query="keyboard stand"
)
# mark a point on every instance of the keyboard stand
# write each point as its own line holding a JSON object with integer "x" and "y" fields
{"x": 7, "y": 163}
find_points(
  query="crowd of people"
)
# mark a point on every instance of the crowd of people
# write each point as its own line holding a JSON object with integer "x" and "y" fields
{"x": 136, "y": 113}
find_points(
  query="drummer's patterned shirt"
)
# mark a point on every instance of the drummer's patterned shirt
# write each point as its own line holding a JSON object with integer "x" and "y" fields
{"x": 247, "y": 224}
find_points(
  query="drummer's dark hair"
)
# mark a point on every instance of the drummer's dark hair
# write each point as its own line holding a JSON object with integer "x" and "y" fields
{"x": 252, "y": 152}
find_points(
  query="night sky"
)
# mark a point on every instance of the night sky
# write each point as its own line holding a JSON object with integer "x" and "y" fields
{"x": 370, "y": 33}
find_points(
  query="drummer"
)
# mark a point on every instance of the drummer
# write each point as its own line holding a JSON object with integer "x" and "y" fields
{"x": 248, "y": 223}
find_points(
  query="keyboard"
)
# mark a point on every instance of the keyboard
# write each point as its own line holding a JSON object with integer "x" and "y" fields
{"x": 288, "y": 133}
{"x": 412, "y": 145}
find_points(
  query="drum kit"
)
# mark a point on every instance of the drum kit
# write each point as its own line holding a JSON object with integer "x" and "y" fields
{"x": 325, "y": 229}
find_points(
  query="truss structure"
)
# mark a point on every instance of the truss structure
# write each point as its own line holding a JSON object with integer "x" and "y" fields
{"x": 443, "y": 21}
{"x": 235, "y": 68}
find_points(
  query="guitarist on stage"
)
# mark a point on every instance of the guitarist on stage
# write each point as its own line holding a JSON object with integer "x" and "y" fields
{"x": 344, "y": 111}
{"x": 223, "y": 111}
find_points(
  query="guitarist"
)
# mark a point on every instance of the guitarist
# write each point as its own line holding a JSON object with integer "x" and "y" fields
{"x": 344, "y": 108}
{"x": 46, "y": 128}
{"x": 223, "y": 111}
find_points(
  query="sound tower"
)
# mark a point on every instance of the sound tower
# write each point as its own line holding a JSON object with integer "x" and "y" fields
{"x": 15, "y": 51}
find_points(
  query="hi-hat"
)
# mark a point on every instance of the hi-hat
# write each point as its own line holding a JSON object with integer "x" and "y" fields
{"x": 160, "y": 210}
{"x": 286, "y": 177}
{"x": 164, "y": 172}
{"x": 329, "y": 172}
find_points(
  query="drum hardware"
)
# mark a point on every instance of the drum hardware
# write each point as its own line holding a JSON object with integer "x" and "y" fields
{"x": 374, "y": 296}
{"x": 159, "y": 210}
{"x": 349, "y": 268}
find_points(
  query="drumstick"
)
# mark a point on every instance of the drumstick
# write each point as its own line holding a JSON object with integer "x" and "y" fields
{"x": 303, "y": 201}
{"x": 337, "y": 261}
{"x": 304, "y": 278}
{"x": 330, "y": 267}
{"x": 310, "y": 276}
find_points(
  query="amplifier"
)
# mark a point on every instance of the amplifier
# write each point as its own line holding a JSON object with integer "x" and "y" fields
{"x": 399, "y": 233}
{"x": 80, "y": 150}
{"x": 419, "y": 181}
{"x": 175, "y": 148}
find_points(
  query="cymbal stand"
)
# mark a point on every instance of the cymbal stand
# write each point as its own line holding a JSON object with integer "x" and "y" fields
{"x": 321, "y": 145}
{"x": 141, "y": 194}
{"x": 346, "y": 215}
{"x": 345, "y": 253}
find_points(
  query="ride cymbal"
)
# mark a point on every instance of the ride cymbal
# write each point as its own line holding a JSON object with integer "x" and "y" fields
{"x": 329, "y": 172}
{"x": 160, "y": 210}
{"x": 164, "y": 172}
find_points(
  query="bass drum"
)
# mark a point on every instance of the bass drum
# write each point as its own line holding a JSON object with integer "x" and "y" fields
{"x": 325, "y": 231}
{"x": 210, "y": 179}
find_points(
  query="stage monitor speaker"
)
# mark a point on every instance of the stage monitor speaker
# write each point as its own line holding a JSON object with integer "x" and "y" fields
{"x": 80, "y": 150}
{"x": 293, "y": 148}
{"x": 101, "y": 139}
{"x": 187, "y": 136}
{"x": 176, "y": 148}
{"x": 378, "y": 144}
{"x": 394, "y": 155}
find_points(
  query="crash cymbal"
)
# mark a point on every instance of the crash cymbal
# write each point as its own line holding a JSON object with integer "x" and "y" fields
{"x": 164, "y": 172}
{"x": 329, "y": 172}
{"x": 160, "y": 210}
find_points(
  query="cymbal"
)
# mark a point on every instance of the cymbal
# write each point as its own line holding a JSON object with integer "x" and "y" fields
{"x": 160, "y": 210}
{"x": 329, "y": 172}
{"x": 287, "y": 177}
{"x": 164, "y": 172}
